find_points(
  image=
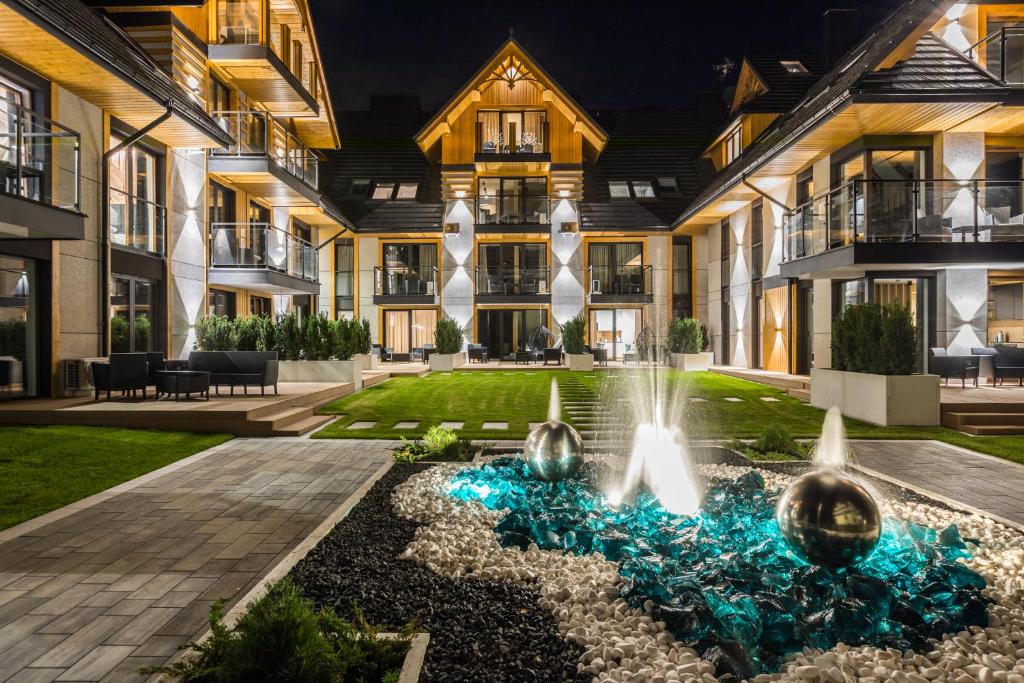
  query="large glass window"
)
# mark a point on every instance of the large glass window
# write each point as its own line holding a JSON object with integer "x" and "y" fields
{"x": 617, "y": 268}
{"x": 615, "y": 330}
{"x": 512, "y": 269}
{"x": 756, "y": 239}
{"x": 136, "y": 216}
{"x": 132, "y": 315}
{"x": 733, "y": 144}
{"x": 409, "y": 329}
{"x": 410, "y": 268}
{"x": 19, "y": 345}
{"x": 511, "y": 132}
{"x": 682, "y": 286}
{"x": 514, "y": 201}
{"x": 1006, "y": 308}
{"x": 222, "y": 303}
{"x": 344, "y": 277}
{"x": 238, "y": 21}
{"x": 504, "y": 332}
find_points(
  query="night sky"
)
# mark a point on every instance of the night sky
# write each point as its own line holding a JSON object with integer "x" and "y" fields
{"x": 629, "y": 53}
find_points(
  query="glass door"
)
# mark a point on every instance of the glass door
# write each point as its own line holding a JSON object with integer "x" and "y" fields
{"x": 406, "y": 330}
{"x": 503, "y": 332}
{"x": 615, "y": 330}
{"x": 132, "y": 308}
{"x": 18, "y": 328}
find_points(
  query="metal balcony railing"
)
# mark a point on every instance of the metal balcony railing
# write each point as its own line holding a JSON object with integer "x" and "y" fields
{"x": 620, "y": 280}
{"x": 1001, "y": 53}
{"x": 261, "y": 246}
{"x": 513, "y": 210}
{"x": 405, "y": 281}
{"x": 258, "y": 134}
{"x": 892, "y": 211}
{"x": 137, "y": 224}
{"x": 513, "y": 281}
{"x": 40, "y": 159}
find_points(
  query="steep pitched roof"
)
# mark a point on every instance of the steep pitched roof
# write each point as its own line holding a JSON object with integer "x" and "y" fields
{"x": 935, "y": 66}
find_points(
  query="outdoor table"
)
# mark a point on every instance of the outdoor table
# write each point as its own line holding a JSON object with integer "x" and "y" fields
{"x": 179, "y": 382}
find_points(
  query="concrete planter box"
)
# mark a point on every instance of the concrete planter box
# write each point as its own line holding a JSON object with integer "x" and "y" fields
{"x": 446, "y": 362}
{"x": 336, "y": 371}
{"x": 884, "y": 400}
{"x": 369, "y": 361}
{"x": 413, "y": 663}
{"x": 693, "y": 362}
{"x": 580, "y": 362}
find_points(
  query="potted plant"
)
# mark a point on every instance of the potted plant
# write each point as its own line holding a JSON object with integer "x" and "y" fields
{"x": 874, "y": 360}
{"x": 448, "y": 353}
{"x": 574, "y": 332}
{"x": 686, "y": 343}
{"x": 318, "y": 351}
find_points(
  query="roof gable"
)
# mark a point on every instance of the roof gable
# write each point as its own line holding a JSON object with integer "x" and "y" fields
{"x": 749, "y": 86}
{"x": 509, "y": 67}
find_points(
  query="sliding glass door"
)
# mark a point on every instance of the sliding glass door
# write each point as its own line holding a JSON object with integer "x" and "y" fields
{"x": 615, "y": 330}
{"x": 409, "y": 329}
{"x": 19, "y": 326}
{"x": 505, "y": 331}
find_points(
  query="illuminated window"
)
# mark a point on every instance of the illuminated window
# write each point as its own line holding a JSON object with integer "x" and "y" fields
{"x": 668, "y": 185}
{"x": 734, "y": 144}
{"x": 407, "y": 191}
{"x": 643, "y": 189}
{"x": 383, "y": 190}
{"x": 618, "y": 189}
{"x": 794, "y": 66}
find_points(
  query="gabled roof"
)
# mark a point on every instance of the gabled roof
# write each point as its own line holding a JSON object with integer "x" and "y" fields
{"x": 935, "y": 66}
{"x": 618, "y": 215}
{"x": 780, "y": 89}
{"x": 510, "y": 63}
{"x": 402, "y": 215}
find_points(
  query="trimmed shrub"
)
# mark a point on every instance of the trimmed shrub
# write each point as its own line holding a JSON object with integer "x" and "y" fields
{"x": 874, "y": 339}
{"x": 775, "y": 439}
{"x": 447, "y": 336}
{"x": 216, "y": 333}
{"x": 685, "y": 335}
{"x": 289, "y": 337}
{"x": 317, "y": 338}
{"x": 574, "y": 332}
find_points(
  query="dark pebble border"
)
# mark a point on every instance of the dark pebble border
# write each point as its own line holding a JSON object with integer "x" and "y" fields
{"x": 479, "y": 631}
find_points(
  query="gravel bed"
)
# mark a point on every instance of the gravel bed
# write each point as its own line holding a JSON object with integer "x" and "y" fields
{"x": 479, "y": 630}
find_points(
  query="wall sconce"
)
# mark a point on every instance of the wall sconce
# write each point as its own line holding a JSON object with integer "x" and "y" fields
{"x": 452, "y": 228}
{"x": 459, "y": 194}
{"x": 569, "y": 227}
{"x": 563, "y": 193}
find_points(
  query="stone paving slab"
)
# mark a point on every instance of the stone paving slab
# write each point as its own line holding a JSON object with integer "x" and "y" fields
{"x": 453, "y": 425}
{"x": 103, "y": 590}
{"x": 973, "y": 480}
{"x": 499, "y": 426}
{"x": 406, "y": 425}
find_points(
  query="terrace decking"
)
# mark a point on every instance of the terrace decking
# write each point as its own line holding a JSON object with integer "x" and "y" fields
{"x": 291, "y": 413}
{"x": 984, "y": 410}
{"x": 797, "y": 386}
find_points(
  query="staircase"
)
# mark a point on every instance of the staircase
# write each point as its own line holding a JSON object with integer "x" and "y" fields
{"x": 984, "y": 419}
{"x": 797, "y": 386}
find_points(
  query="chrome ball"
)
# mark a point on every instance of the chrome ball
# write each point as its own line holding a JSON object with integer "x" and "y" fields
{"x": 829, "y": 519}
{"x": 553, "y": 451}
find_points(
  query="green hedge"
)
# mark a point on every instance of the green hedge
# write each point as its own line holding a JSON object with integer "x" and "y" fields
{"x": 574, "y": 331}
{"x": 875, "y": 339}
{"x": 314, "y": 338}
{"x": 447, "y": 336}
{"x": 685, "y": 335}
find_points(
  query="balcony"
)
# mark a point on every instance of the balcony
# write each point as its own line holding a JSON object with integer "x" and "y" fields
{"x": 262, "y": 257}
{"x": 256, "y": 49}
{"x": 513, "y": 285}
{"x": 620, "y": 285}
{"x": 513, "y": 214}
{"x": 40, "y": 170}
{"x": 495, "y": 148}
{"x": 266, "y": 160}
{"x": 137, "y": 224}
{"x": 405, "y": 285}
{"x": 905, "y": 222}
{"x": 1001, "y": 53}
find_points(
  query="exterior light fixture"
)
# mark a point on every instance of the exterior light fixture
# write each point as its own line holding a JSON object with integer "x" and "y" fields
{"x": 569, "y": 227}
{"x": 563, "y": 193}
{"x": 452, "y": 228}
{"x": 459, "y": 194}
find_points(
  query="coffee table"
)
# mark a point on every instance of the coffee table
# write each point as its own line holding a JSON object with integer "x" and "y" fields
{"x": 179, "y": 382}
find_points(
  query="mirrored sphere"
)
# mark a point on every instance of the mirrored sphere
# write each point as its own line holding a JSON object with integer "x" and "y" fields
{"x": 554, "y": 451}
{"x": 829, "y": 519}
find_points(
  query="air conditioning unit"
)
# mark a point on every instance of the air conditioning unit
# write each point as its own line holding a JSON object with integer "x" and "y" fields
{"x": 75, "y": 378}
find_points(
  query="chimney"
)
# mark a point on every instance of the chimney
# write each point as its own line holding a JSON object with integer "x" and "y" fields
{"x": 841, "y": 32}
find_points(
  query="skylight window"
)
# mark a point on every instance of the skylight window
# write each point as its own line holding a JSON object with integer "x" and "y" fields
{"x": 668, "y": 185}
{"x": 360, "y": 187}
{"x": 643, "y": 189}
{"x": 407, "y": 191}
{"x": 383, "y": 190}
{"x": 618, "y": 189}
{"x": 794, "y": 66}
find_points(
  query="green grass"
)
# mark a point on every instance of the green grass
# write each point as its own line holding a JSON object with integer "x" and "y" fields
{"x": 470, "y": 397}
{"x": 522, "y": 397}
{"x": 45, "y": 468}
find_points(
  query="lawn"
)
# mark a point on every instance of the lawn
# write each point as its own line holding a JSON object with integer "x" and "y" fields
{"x": 521, "y": 397}
{"x": 44, "y": 468}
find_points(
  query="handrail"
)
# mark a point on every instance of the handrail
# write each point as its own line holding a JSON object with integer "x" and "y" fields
{"x": 258, "y": 134}
{"x": 396, "y": 281}
{"x": 155, "y": 232}
{"x": 540, "y": 205}
{"x": 621, "y": 278}
{"x": 262, "y": 246}
{"x": 972, "y": 52}
{"x": 37, "y": 158}
{"x": 518, "y": 280}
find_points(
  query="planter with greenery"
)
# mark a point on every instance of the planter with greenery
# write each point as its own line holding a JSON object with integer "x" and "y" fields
{"x": 282, "y": 637}
{"x": 574, "y": 333}
{"x": 447, "y": 354}
{"x": 686, "y": 344}
{"x": 874, "y": 358}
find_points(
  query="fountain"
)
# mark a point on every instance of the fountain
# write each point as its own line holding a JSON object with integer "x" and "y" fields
{"x": 553, "y": 449}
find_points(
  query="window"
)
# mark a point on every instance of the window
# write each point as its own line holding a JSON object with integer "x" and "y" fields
{"x": 734, "y": 144}
{"x": 668, "y": 185}
{"x": 756, "y": 239}
{"x": 512, "y": 269}
{"x": 136, "y": 217}
{"x": 510, "y": 132}
{"x": 222, "y": 204}
{"x": 682, "y": 285}
{"x": 344, "y": 275}
{"x": 383, "y": 190}
{"x": 512, "y": 201}
{"x": 407, "y": 191}
{"x": 220, "y": 98}
{"x": 258, "y": 213}
{"x": 410, "y": 269}
{"x": 618, "y": 189}
{"x": 132, "y": 308}
{"x": 261, "y": 306}
{"x": 360, "y": 187}
{"x": 794, "y": 66}
{"x": 643, "y": 189}
{"x": 724, "y": 247}
{"x": 617, "y": 268}
{"x": 22, "y": 339}
{"x": 805, "y": 187}
{"x": 222, "y": 303}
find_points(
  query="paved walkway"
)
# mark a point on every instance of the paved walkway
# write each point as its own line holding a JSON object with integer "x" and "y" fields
{"x": 969, "y": 479}
{"x": 117, "y": 586}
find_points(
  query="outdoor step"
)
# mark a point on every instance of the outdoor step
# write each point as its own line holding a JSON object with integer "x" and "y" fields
{"x": 304, "y": 426}
{"x": 271, "y": 424}
{"x": 992, "y": 430}
{"x": 959, "y": 419}
{"x": 371, "y": 378}
{"x": 1010, "y": 407}
{"x": 802, "y": 394}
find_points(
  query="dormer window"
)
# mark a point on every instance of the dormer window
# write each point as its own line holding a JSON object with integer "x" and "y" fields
{"x": 643, "y": 189}
{"x": 383, "y": 190}
{"x": 407, "y": 191}
{"x": 794, "y": 66}
{"x": 734, "y": 144}
{"x": 631, "y": 189}
{"x": 618, "y": 189}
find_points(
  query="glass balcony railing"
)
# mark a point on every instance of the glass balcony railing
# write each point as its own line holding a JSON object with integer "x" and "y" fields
{"x": 261, "y": 246}
{"x": 405, "y": 281}
{"x": 137, "y": 224}
{"x": 492, "y": 139}
{"x": 513, "y": 281}
{"x": 258, "y": 134}
{"x": 1001, "y": 53}
{"x": 892, "y": 211}
{"x": 40, "y": 159}
{"x": 620, "y": 280}
{"x": 513, "y": 210}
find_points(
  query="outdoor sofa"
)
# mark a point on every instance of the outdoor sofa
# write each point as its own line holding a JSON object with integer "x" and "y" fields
{"x": 237, "y": 368}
